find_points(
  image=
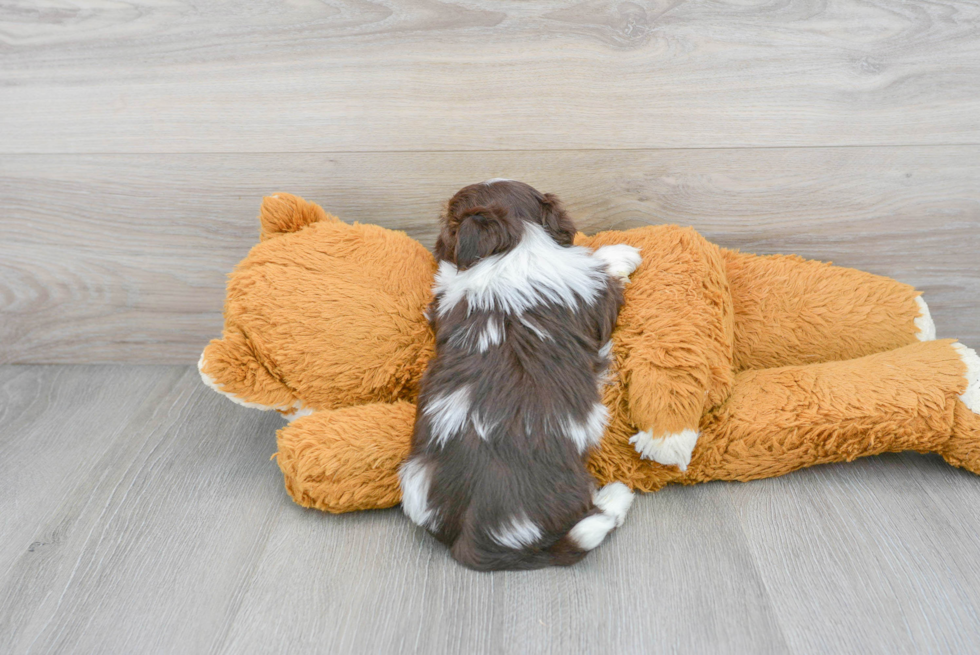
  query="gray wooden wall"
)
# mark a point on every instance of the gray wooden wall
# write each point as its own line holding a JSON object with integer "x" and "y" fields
{"x": 136, "y": 140}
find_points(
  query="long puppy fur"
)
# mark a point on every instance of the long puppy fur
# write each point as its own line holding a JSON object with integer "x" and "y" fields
{"x": 510, "y": 405}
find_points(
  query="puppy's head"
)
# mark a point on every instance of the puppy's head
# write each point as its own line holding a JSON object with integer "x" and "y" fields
{"x": 488, "y": 218}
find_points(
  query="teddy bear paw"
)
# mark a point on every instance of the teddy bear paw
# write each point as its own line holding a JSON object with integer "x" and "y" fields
{"x": 620, "y": 259}
{"x": 970, "y": 397}
{"x": 923, "y": 322}
{"x": 669, "y": 450}
{"x": 299, "y": 411}
{"x": 289, "y": 412}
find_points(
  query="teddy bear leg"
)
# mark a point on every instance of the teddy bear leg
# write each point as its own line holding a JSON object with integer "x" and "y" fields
{"x": 963, "y": 447}
{"x": 791, "y": 311}
{"x": 779, "y": 420}
{"x": 346, "y": 459}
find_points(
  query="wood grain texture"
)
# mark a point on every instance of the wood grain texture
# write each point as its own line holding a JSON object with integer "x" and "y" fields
{"x": 41, "y": 465}
{"x": 123, "y": 258}
{"x": 893, "y": 537}
{"x": 141, "y": 511}
{"x": 137, "y": 529}
{"x": 373, "y": 583}
{"x": 353, "y": 75}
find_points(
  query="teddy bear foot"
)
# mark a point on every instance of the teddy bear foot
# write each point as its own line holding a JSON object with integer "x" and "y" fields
{"x": 621, "y": 260}
{"x": 669, "y": 450}
{"x": 923, "y": 322}
{"x": 970, "y": 397}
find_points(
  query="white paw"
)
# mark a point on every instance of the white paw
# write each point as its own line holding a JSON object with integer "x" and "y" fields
{"x": 970, "y": 397}
{"x": 621, "y": 260}
{"x": 923, "y": 322}
{"x": 669, "y": 450}
{"x": 614, "y": 499}
{"x": 590, "y": 531}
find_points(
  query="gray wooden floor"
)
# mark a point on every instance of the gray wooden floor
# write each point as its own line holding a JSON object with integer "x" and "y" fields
{"x": 141, "y": 513}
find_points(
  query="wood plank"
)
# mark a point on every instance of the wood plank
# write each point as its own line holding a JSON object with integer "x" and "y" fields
{"x": 176, "y": 534}
{"x": 676, "y": 578}
{"x": 153, "y": 538}
{"x": 54, "y": 431}
{"x": 150, "y": 76}
{"x": 123, "y": 258}
{"x": 878, "y": 555}
{"x": 141, "y": 509}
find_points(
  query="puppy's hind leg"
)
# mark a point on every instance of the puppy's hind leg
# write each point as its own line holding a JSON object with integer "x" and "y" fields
{"x": 612, "y": 501}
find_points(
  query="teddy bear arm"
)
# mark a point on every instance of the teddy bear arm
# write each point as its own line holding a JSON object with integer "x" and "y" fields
{"x": 674, "y": 338}
{"x": 666, "y": 406}
{"x": 230, "y": 366}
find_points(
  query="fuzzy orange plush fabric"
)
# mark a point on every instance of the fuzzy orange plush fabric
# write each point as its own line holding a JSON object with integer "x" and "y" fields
{"x": 777, "y": 362}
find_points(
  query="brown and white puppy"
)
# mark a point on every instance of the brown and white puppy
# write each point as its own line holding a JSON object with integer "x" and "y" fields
{"x": 510, "y": 405}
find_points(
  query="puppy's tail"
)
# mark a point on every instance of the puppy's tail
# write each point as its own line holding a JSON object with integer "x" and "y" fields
{"x": 610, "y": 505}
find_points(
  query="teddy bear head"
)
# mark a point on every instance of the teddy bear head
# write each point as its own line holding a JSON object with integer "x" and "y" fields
{"x": 322, "y": 314}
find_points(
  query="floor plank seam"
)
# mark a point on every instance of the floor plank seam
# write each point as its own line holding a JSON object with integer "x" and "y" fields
{"x": 751, "y": 545}
{"x": 242, "y": 592}
{"x": 422, "y": 151}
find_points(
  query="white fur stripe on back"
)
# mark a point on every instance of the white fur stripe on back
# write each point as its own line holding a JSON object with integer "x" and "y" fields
{"x": 587, "y": 433}
{"x": 538, "y": 270}
{"x": 414, "y": 478}
{"x": 517, "y": 532}
{"x": 448, "y": 413}
{"x": 542, "y": 333}
{"x": 492, "y": 335}
{"x": 482, "y": 428}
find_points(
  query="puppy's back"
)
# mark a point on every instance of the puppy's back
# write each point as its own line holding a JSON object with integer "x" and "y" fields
{"x": 510, "y": 405}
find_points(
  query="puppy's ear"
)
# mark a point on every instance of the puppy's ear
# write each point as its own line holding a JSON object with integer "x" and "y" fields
{"x": 442, "y": 250}
{"x": 556, "y": 221}
{"x": 482, "y": 232}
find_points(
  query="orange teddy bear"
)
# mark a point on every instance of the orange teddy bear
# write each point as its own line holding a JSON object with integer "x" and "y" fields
{"x": 729, "y": 366}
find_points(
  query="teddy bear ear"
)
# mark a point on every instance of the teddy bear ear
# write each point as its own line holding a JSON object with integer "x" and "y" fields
{"x": 282, "y": 213}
